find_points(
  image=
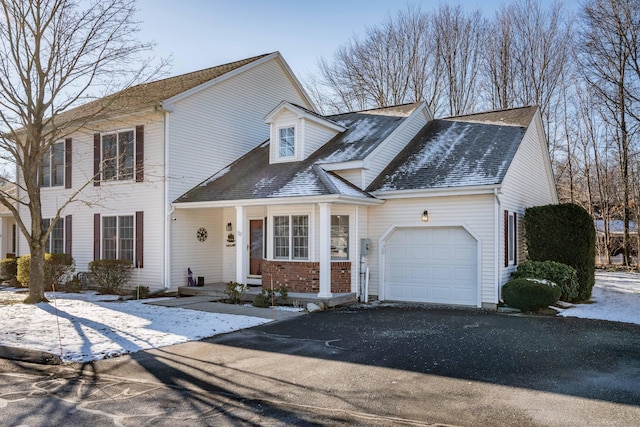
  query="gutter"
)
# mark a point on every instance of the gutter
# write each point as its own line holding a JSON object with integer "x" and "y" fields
{"x": 496, "y": 243}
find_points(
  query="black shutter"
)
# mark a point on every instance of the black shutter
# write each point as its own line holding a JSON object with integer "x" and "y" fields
{"x": 67, "y": 163}
{"x": 139, "y": 153}
{"x": 506, "y": 238}
{"x": 67, "y": 235}
{"x": 139, "y": 260}
{"x": 96, "y": 237}
{"x": 515, "y": 238}
{"x": 96, "y": 159}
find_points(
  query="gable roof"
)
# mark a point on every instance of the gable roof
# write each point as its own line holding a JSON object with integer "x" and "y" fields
{"x": 459, "y": 151}
{"x": 366, "y": 130}
{"x": 153, "y": 93}
{"x": 253, "y": 177}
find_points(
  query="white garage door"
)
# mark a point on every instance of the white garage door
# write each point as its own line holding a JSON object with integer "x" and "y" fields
{"x": 435, "y": 265}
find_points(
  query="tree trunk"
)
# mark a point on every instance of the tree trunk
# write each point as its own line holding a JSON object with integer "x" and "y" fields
{"x": 36, "y": 276}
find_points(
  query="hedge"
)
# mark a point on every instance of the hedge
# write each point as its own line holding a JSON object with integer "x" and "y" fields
{"x": 110, "y": 274}
{"x": 564, "y": 233}
{"x": 57, "y": 268}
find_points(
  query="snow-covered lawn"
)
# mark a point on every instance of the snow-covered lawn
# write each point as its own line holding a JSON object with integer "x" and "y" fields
{"x": 86, "y": 326}
{"x": 616, "y": 297}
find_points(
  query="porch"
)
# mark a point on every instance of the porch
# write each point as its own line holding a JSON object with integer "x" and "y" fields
{"x": 216, "y": 290}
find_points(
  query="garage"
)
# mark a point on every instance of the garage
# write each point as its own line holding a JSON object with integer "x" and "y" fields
{"x": 433, "y": 265}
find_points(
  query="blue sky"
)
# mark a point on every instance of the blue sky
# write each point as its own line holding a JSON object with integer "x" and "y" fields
{"x": 204, "y": 33}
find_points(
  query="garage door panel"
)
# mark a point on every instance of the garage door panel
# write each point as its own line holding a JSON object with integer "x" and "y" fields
{"x": 437, "y": 265}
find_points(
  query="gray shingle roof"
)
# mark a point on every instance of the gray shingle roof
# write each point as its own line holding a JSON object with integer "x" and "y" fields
{"x": 252, "y": 177}
{"x": 459, "y": 151}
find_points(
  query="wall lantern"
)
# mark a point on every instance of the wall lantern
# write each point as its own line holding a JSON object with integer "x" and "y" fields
{"x": 425, "y": 216}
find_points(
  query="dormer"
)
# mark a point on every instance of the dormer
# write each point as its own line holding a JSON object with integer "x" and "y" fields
{"x": 297, "y": 132}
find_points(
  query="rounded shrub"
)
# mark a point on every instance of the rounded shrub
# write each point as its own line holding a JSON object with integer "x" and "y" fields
{"x": 561, "y": 274}
{"x": 529, "y": 294}
{"x": 111, "y": 275}
{"x": 8, "y": 268}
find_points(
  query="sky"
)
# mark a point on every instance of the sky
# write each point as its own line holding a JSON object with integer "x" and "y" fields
{"x": 204, "y": 33}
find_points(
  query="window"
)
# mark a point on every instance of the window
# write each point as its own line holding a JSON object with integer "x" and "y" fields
{"x": 52, "y": 170}
{"x": 118, "y": 237}
{"x": 291, "y": 237}
{"x": 286, "y": 142}
{"x": 340, "y": 237}
{"x": 118, "y": 156}
{"x": 510, "y": 238}
{"x": 55, "y": 241}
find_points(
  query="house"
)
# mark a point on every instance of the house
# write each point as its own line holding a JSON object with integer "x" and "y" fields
{"x": 231, "y": 173}
{"x": 8, "y": 226}
{"x": 388, "y": 204}
{"x": 138, "y": 150}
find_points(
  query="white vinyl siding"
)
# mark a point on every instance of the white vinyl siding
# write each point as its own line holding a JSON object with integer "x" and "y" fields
{"x": 115, "y": 198}
{"x": 474, "y": 213}
{"x": 223, "y": 122}
{"x": 527, "y": 183}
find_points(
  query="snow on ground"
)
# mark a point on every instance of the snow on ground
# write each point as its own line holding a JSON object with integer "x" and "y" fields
{"x": 92, "y": 327}
{"x": 84, "y": 327}
{"x": 615, "y": 297}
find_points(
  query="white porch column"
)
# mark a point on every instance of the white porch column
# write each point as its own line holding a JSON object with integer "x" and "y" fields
{"x": 325, "y": 250}
{"x": 241, "y": 244}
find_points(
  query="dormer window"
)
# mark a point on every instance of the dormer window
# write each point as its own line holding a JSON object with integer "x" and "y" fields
{"x": 286, "y": 142}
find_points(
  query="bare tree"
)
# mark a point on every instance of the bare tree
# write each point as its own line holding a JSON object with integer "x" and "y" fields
{"x": 528, "y": 59}
{"x": 393, "y": 64}
{"x": 53, "y": 53}
{"x": 459, "y": 40}
{"x": 607, "y": 40}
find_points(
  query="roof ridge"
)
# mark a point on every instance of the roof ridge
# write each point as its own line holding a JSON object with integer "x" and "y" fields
{"x": 247, "y": 60}
{"x": 490, "y": 112}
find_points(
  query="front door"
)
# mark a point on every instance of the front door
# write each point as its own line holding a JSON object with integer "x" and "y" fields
{"x": 256, "y": 250}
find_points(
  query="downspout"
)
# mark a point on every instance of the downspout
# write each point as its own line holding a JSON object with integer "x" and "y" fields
{"x": 496, "y": 243}
{"x": 166, "y": 279}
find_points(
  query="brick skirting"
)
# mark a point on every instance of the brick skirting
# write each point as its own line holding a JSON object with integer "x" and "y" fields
{"x": 301, "y": 276}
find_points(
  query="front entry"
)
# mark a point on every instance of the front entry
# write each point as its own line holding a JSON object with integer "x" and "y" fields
{"x": 256, "y": 251}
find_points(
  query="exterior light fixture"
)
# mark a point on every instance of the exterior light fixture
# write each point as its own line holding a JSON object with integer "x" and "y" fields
{"x": 425, "y": 216}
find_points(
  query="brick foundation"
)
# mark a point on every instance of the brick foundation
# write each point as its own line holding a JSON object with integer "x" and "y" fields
{"x": 304, "y": 277}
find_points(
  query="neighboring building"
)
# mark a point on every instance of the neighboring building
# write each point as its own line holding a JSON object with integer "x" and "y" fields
{"x": 8, "y": 227}
{"x": 386, "y": 203}
{"x": 152, "y": 143}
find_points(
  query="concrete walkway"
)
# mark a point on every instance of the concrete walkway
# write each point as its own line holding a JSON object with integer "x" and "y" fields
{"x": 210, "y": 304}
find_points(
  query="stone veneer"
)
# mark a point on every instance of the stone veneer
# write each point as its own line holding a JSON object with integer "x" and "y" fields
{"x": 302, "y": 276}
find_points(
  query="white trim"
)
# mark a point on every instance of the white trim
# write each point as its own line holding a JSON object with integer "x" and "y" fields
{"x": 302, "y": 114}
{"x": 168, "y": 208}
{"x": 432, "y": 224}
{"x": 408, "y": 119}
{"x": 354, "y": 164}
{"x": 437, "y": 192}
{"x": 325, "y": 250}
{"x": 240, "y": 244}
{"x": 334, "y": 198}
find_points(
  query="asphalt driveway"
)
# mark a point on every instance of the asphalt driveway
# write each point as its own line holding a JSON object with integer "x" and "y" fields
{"x": 399, "y": 365}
